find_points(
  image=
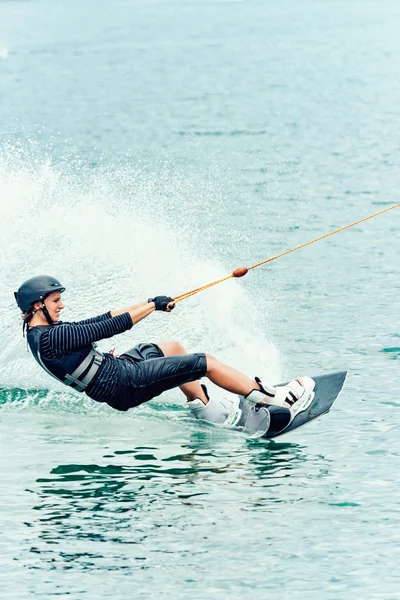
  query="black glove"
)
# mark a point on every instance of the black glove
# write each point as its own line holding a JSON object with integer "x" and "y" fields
{"x": 162, "y": 302}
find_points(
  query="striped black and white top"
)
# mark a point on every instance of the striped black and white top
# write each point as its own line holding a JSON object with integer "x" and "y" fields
{"x": 63, "y": 338}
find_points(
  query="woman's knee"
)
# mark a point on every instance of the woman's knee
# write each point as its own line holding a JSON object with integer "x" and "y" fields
{"x": 171, "y": 348}
{"x": 212, "y": 363}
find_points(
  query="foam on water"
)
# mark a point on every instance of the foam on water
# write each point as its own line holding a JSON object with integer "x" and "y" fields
{"x": 105, "y": 236}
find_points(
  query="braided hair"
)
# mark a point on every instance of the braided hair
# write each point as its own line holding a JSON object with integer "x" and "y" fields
{"x": 26, "y": 317}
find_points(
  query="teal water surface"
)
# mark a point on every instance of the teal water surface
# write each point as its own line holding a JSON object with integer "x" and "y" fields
{"x": 152, "y": 147}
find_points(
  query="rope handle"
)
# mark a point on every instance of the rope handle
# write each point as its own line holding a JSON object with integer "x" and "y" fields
{"x": 242, "y": 271}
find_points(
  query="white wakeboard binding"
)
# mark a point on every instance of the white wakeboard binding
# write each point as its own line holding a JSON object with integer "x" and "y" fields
{"x": 222, "y": 411}
{"x": 272, "y": 408}
{"x": 295, "y": 396}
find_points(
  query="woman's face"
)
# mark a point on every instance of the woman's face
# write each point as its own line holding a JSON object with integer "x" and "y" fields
{"x": 54, "y": 305}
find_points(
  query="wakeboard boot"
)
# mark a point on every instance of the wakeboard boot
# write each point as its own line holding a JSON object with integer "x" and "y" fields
{"x": 283, "y": 402}
{"x": 221, "y": 411}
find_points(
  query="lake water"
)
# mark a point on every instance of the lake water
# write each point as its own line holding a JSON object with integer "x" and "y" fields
{"x": 150, "y": 147}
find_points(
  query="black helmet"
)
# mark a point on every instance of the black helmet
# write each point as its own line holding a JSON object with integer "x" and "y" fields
{"x": 36, "y": 289}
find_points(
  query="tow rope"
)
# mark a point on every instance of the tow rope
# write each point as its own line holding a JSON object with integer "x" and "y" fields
{"x": 241, "y": 271}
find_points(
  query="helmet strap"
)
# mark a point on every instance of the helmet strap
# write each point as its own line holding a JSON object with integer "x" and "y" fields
{"x": 46, "y": 314}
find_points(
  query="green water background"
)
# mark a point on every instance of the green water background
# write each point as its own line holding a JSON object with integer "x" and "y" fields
{"x": 151, "y": 147}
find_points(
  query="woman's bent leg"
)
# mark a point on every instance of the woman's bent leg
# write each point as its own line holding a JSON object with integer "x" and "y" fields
{"x": 229, "y": 378}
{"x": 191, "y": 390}
{"x": 219, "y": 373}
{"x": 232, "y": 381}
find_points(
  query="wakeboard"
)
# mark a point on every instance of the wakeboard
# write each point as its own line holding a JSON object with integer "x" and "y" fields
{"x": 271, "y": 422}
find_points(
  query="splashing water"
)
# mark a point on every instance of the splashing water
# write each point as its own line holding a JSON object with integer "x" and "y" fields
{"x": 113, "y": 239}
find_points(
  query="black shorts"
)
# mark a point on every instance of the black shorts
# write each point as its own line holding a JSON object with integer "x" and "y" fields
{"x": 148, "y": 373}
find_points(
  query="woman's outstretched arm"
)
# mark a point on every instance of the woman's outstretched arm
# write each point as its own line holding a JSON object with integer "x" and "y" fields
{"x": 121, "y": 311}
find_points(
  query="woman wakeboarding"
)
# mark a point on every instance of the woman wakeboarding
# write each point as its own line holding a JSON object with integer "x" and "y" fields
{"x": 67, "y": 352}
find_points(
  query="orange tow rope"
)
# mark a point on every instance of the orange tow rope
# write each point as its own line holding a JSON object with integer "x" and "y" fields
{"x": 241, "y": 271}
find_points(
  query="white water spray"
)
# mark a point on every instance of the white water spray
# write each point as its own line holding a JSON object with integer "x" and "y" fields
{"x": 109, "y": 239}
